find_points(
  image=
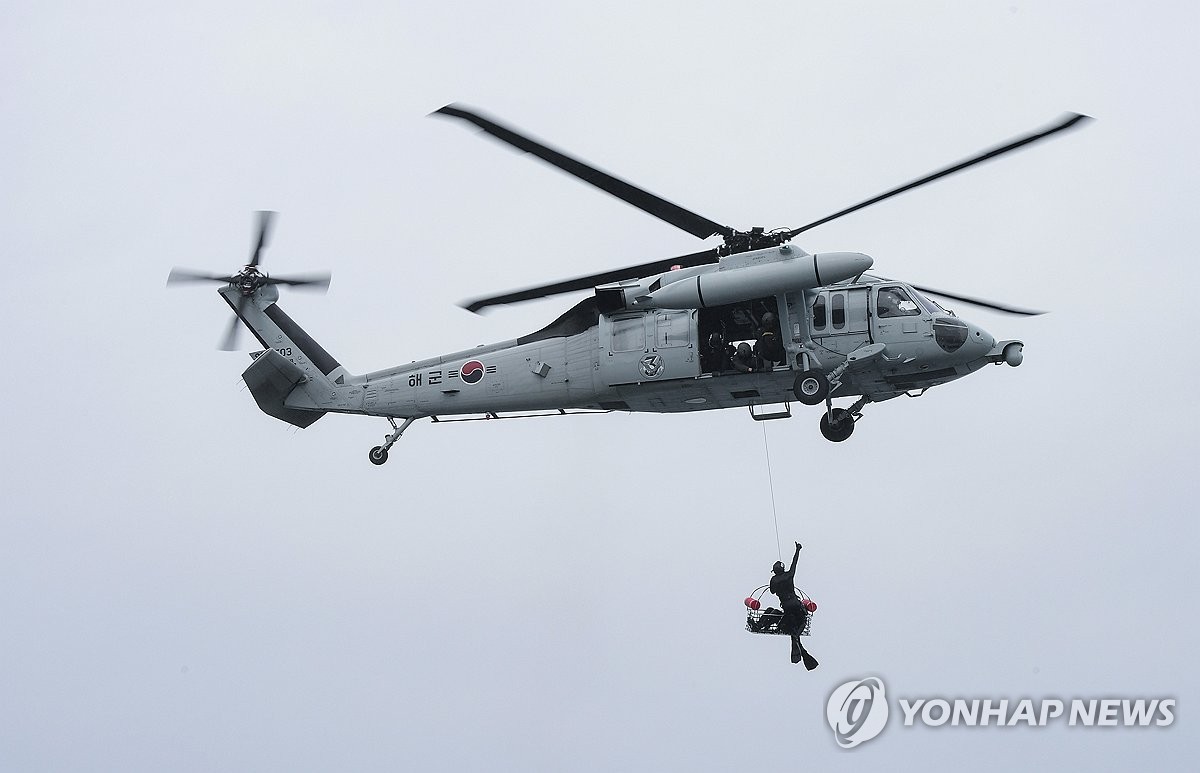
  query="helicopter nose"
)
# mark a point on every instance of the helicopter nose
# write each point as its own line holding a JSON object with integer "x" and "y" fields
{"x": 979, "y": 341}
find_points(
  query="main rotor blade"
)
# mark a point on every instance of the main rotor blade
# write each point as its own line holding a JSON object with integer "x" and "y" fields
{"x": 590, "y": 281}
{"x": 178, "y": 275}
{"x": 979, "y": 302}
{"x": 264, "y": 233}
{"x": 317, "y": 281}
{"x": 1068, "y": 121}
{"x": 627, "y": 192}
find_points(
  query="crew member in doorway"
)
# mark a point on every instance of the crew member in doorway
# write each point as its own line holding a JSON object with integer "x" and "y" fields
{"x": 744, "y": 360}
{"x": 768, "y": 347}
{"x": 717, "y": 357}
{"x": 794, "y": 614}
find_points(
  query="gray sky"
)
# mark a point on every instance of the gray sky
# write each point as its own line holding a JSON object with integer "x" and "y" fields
{"x": 187, "y": 584}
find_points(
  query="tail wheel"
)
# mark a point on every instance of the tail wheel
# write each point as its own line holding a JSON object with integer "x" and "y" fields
{"x": 811, "y": 387}
{"x": 841, "y": 427}
{"x": 378, "y": 455}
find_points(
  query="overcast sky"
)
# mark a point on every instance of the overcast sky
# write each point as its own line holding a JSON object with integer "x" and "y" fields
{"x": 187, "y": 584}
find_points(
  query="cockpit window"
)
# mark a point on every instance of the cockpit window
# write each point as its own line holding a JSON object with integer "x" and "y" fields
{"x": 932, "y": 306}
{"x": 893, "y": 301}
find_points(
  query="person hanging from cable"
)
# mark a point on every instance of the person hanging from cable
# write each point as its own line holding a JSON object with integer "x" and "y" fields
{"x": 795, "y": 614}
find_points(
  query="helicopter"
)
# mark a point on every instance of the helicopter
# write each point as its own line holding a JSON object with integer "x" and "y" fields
{"x": 755, "y": 322}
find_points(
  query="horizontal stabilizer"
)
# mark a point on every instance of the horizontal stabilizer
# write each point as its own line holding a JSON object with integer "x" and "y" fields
{"x": 271, "y": 377}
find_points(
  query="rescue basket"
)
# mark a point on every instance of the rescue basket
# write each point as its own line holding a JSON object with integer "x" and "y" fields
{"x": 769, "y": 620}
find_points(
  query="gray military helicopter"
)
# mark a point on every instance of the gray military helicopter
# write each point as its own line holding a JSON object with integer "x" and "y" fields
{"x": 755, "y": 322}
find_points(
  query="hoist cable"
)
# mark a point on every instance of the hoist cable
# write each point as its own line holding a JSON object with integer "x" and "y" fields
{"x": 771, "y": 486}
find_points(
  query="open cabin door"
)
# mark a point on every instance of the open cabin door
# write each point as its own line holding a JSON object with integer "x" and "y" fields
{"x": 653, "y": 345}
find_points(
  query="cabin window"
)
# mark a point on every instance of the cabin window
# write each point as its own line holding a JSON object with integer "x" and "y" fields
{"x": 673, "y": 329}
{"x": 628, "y": 335}
{"x": 819, "y": 314}
{"x": 837, "y": 312}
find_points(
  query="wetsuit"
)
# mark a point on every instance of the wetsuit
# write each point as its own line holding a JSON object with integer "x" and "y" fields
{"x": 794, "y": 613}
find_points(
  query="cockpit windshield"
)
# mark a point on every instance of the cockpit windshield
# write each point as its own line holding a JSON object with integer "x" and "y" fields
{"x": 932, "y": 306}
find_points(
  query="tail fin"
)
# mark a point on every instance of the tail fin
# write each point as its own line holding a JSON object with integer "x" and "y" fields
{"x": 296, "y": 381}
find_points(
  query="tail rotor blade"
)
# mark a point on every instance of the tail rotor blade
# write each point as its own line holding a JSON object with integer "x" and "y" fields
{"x": 264, "y": 234}
{"x": 229, "y": 340}
{"x": 316, "y": 281}
{"x": 181, "y": 275}
{"x": 249, "y": 281}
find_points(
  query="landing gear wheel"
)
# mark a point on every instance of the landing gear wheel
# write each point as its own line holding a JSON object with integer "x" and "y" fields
{"x": 841, "y": 428}
{"x": 378, "y": 455}
{"x": 811, "y": 387}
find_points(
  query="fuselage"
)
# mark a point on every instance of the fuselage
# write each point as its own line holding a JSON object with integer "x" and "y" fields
{"x": 679, "y": 359}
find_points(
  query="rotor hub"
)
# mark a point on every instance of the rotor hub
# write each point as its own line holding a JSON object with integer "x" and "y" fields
{"x": 755, "y": 239}
{"x": 249, "y": 279}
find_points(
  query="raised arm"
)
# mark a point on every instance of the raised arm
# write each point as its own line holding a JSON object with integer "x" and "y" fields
{"x": 795, "y": 558}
